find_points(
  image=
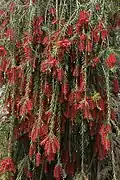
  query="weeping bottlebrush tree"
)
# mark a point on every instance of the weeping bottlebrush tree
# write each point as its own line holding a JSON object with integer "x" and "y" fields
{"x": 59, "y": 66}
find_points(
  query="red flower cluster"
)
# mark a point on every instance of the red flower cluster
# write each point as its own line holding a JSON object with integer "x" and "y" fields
{"x": 64, "y": 43}
{"x": 38, "y": 159}
{"x": 3, "y": 51}
{"x": 55, "y": 75}
{"x": 105, "y": 142}
{"x": 58, "y": 172}
{"x": 7, "y": 165}
{"x": 111, "y": 61}
{"x": 26, "y": 107}
{"x": 51, "y": 146}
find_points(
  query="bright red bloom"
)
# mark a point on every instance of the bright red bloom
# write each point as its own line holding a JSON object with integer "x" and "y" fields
{"x": 29, "y": 174}
{"x": 101, "y": 104}
{"x": 85, "y": 108}
{"x": 111, "y": 61}
{"x": 29, "y": 105}
{"x": 105, "y": 129}
{"x": 104, "y": 34}
{"x": 76, "y": 71}
{"x": 38, "y": 21}
{"x": 97, "y": 7}
{"x": 38, "y": 159}
{"x": 50, "y": 63}
{"x": 81, "y": 46}
{"x": 52, "y": 11}
{"x": 3, "y": 51}
{"x": 96, "y": 60}
{"x": 26, "y": 107}
{"x": 50, "y": 157}
{"x": 95, "y": 35}
{"x": 83, "y": 18}
{"x": 60, "y": 74}
{"x": 32, "y": 150}
{"x": 28, "y": 52}
{"x": 9, "y": 33}
{"x": 64, "y": 43}
{"x": 54, "y": 21}
{"x": 12, "y": 7}
{"x": 65, "y": 88}
{"x": 43, "y": 130}
{"x": 113, "y": 115}
{"x": 57, "y": 172}
{"x": 34, "y": 134}
{"x": 47, "y": 89}
{"x": 12, "y": 75}
{"x": 89, "y": 46}
{"x": 4, "y": 23}
{"x": 83, "y": 37}
{"x": 51, "y": 145}
{"x": 2, "y": 13}
{"x": 7, "y": 165}
{"x": 81, "y": 83}
{"x": 100, "y": 25}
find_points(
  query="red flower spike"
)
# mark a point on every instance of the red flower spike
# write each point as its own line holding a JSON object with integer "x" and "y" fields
{"x": 3, "y": 51}
{"x": 38, "y": 159}
{"x": 12, "y": 7}
{"x": 83, "y": 37}
{"x": 29, "y": 105}
{"x": 28, "y": 52}
{"x": 12, "y": 75}
{"x": 32, "y": 150}
{"x": 51, "y": 145}
{"x": 65, "y": 88}
{"x": 29, "y": 174}
{"x": 108, "y": 128}
{"x": 54, "y": 21}
{"x": 100, "y": 25}
{"x": 76, "y": 71}
{"x": 9, "y": 33}
{"x": 70, "y": 30}
{"x": 52, "y": 11}
{"x": 51, "y": 157}
{"x": 96, "y": 60}
{"x": 7, "y": 165}
{"x": 64, "y": 43}
{"x": 111, "y": 61}
{"x": 113, "y": 115}
{"x": 95, "y": 35}
{"x": 89, "y": 46}
{"x": 2, "y": 13}
{"x": 34, "y": 134}
{"x": 60, "y": 74}
{"x": 81, "y": 46}
{"x": 83, "y": 17}
{"x": 57, "y": 171}
{"x": 97, "y": 7}
{"x": 104, "y": 34}
{"x": 101, "y": 104}
{"x": 44, "y": 67}
{"x": 4, "y": 23}
{"x": 47, "y": 89}
{"x": 43, "y": 130}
